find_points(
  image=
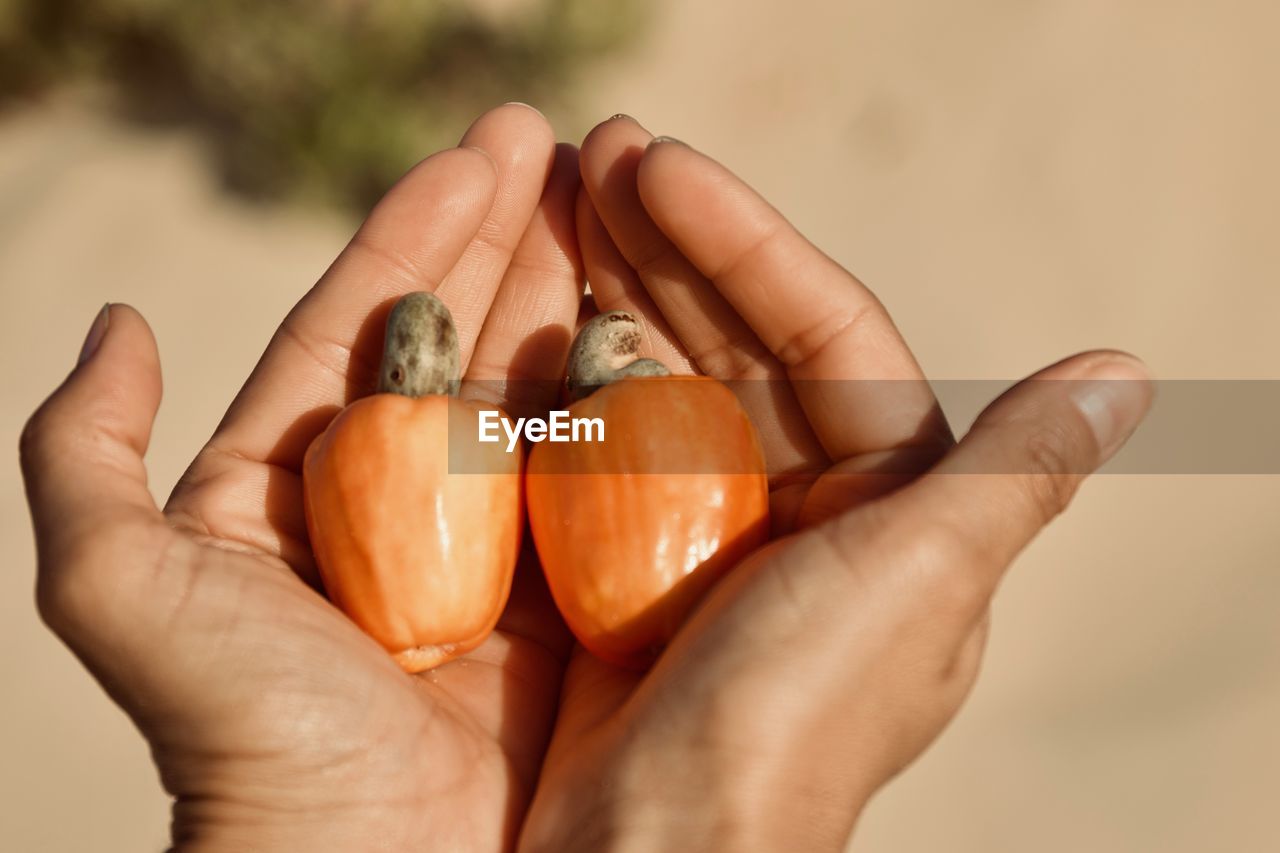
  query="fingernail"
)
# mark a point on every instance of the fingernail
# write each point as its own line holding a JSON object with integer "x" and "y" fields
{"x": 1113, "y": 397}
{"x": 617, "y": 116}
{"x": 526, "y": 106}
{"x": 659, "y": 140}
{"x": 486, "y": 154}
{"x": 97, "y": 332}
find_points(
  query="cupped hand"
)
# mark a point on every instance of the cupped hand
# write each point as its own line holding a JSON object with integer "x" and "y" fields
{"x": 275, "y": 723}
{"x": 833, "y": 656}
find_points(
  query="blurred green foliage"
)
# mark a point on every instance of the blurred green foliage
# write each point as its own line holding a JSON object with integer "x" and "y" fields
{"x": 328, "y": 99}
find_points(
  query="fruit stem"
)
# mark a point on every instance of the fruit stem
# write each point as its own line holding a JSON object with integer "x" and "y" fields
{"x": 606, "y": 350}
{"x": 420, "y": 356}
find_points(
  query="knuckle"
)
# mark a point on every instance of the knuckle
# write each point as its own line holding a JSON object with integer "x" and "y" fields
{"x": 950, "y": 581}
{"x": 807, "y": 344}
{"x": 962, "y": 665}
{"x": 89, "y": 578}
{"x": 55, "y": 601}
{"x": 735, "y": 359}
{"x": 650, "y": 258}
{"x": 39, "y": 435}
{"x": 940, "y": 570}
{"x": 759, "y": 244}
{"x": 1050, "y": 479}
{"x": 64, "y": 595}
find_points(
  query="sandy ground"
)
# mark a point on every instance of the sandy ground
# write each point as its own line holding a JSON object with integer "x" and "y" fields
{"x": 1017, "y": 180}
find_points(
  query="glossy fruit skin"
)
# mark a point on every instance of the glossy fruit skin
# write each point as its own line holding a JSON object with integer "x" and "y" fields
{"x": 634, "y": 530}
{"x": 420, "y": 555}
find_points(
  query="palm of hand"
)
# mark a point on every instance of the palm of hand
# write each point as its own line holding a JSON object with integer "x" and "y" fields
{"x": 276, "y": 686}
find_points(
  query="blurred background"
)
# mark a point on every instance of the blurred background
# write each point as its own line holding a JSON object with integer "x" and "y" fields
{"x": 1017, "y": 179}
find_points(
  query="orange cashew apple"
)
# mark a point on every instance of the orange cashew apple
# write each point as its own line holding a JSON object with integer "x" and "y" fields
{"x": 633, "y": 530}
{"x": 415, "y": 525}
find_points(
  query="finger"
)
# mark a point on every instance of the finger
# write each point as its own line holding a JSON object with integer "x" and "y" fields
{"x": 616, "y": 287}
{"x": 708, "y": 328}
{"x": 587, "y": 310}
{"x": 518, "y": 365}
{"x": 834, "y": 337}
{"x": 1016, "y": 470}
{"x": 861, "y": 479}
{"x": 522, "y": 146}
{"x": 520, "y": 354}
{"x": 711, "y": 331}
{"x": 410, "y": 241}
{"x": 98, "y": 532}
{"x": 245, "y": 485}
{"x": 933, "y": 552}
{"x": 429, "y": 226}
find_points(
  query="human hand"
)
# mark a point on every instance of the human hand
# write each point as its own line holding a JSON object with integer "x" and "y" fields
{"x": 832, "y": 657}
{"x": 274, "y": 722}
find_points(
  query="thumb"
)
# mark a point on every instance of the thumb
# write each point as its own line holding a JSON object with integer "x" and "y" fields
{"x": 1018, "y": 468}
{"x": 86, "y": 482}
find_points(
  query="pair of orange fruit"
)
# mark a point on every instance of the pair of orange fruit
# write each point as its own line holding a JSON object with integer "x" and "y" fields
{"x": 416, "y": 524}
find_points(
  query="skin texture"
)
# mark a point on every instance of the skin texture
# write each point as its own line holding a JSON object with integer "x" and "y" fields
{"x": 818, "y": 668}
{"x": 634, "y": 529}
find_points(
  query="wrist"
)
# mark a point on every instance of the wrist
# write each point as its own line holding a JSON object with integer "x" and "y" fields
{"x": 318, "y": 809}
{"x": 208, "y": 827}
{"x": 689, "y": 800}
